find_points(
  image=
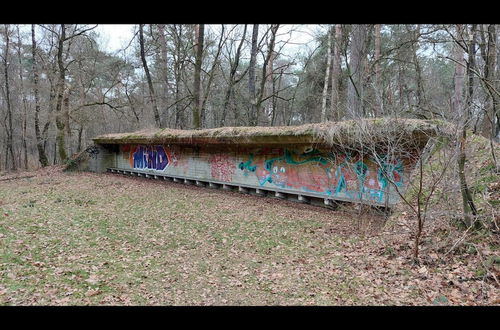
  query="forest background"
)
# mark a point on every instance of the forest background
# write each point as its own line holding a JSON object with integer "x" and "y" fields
{"x": 63, "y": 84}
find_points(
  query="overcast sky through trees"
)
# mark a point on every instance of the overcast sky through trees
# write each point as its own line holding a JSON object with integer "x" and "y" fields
{"x": 299, "y": 36}
{"x": 66, "y": 83}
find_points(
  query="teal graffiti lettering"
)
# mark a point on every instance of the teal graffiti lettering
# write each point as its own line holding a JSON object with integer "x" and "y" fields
{"x": 247, "y": 165}
{"x": 389, "y": 172}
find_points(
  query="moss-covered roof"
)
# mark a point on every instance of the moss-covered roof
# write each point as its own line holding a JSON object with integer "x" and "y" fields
{"x": 351, "y": 132}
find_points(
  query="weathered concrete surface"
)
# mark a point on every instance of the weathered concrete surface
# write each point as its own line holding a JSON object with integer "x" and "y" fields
{"x": 95, "y": 158}
{"x": 293, "y": 169}
{"x": 347, "y": 161}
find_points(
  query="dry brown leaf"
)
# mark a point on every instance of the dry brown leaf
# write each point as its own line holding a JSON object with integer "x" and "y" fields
{"x": 92, "y": 293}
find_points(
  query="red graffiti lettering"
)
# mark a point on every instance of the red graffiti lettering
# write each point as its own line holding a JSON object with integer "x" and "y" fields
{"x": 222, "y": 167}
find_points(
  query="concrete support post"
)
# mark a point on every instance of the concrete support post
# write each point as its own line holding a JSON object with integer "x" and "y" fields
{"x": 303, "y": 199}
{"x": 279, "y": 195}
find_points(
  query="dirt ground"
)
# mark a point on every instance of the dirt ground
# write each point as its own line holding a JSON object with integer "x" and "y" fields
{"x": 107, "y": 239}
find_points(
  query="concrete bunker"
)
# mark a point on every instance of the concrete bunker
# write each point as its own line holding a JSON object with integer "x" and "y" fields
{"x": 363, "y": 161}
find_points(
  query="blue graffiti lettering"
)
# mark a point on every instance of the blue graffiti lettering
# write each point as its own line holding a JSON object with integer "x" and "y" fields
{"x": 150, "y": 157}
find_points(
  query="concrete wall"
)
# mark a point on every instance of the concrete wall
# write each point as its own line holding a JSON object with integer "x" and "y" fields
{"x": 101, "y": 157}
{"x": 291, "y": 168}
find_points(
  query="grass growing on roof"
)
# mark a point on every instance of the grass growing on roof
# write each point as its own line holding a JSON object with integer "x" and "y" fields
{"x": 331, "y": 133}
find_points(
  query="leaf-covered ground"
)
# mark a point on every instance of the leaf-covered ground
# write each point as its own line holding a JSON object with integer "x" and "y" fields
{"x": 104, "y": 239}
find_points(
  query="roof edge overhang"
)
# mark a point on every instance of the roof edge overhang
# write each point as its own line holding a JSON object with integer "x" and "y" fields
{"x": 351, "y": 133}
{"x": 295, "y": 139}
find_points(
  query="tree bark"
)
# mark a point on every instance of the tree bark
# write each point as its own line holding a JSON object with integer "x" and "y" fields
{"x": 79, "y": 142}
{"x": 232, "y": 74}
{"x": 199, "y": 36}
{"x": 489, "y": 54}
{"x": 418, "y": 70}
{"x": 490, "y": 129}
{"x": 327, "y": 74}
{"x": 356, "y": 70}
{"x": 60, "y": 124}
{"x": 471, "y": 66}
{"x": 148, "y": 77}
{"x": 378, "y": 90}
{"x": 180, "y": 118}
{"x": 66, "y": 114}
{"x": 211, "y": 75}
{"x": 336, "y": 71}
{"x": 24, "y": 101}
{"x": 164, "y": 65}
{"x": 269, "y": 89}
{"x": 460, "y": 111}
{"x": 10, "y": 132}
{"x": 267, "y": 75}
{"x": 251, "y": 77}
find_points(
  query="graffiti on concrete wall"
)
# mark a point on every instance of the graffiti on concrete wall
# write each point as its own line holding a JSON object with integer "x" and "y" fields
{"x": 390, "y": 171}
{"x": 222, "y": 167}
{"x": 308, "y": 170}
{"x": 342, "y": 175}
{"x": 146, "y": 156}
{"x": 326, "y": 173}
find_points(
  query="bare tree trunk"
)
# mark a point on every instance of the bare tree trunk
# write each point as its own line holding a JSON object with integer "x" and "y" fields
{"x": 401, "y": 89}
{"x": 148, "y": 77}
{"x": 275, "y": 99}
{"x": 471, "y": 66}
{"x": 497, "y": 87}
{"x": 25, "y": 147}
{"x": 211, "y": 75}
{"x": 267, "y": 73}
{"x": 327, "y": 74}
{"x": 268, "y": 109}
{"x": 54, "y": 160}
{"x": 488, "y": 53}
{"x": 24, "y": 100}
{"x": 355, "y": 86}
{"x": 66, "y": 113}
{"x": 60, "y": 124}
{"x": 461, "y": 113}
{"x": 46, "y": 126}
{"x": 378, "y": 90}
{"x": 420, "y": 220}
{"x": 251, "y": 77}
{"x": 232, "y": 75}
{"x": 179, "y": 115}
{"x": 418, "y": 70}
{"x": 336, "y": 71}
{"x": 180, "y": 119}
{"x": 491, "y": 121}
{"x": 200, "y": 34}
{"x": 10, "y": 132}
{"x": 80, "y": 133}
{"x": 164, "y": 66}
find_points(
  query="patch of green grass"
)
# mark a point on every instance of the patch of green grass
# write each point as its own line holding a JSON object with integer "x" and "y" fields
{"x": 481, "y": 184}
{"x": 137, "y": 242}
